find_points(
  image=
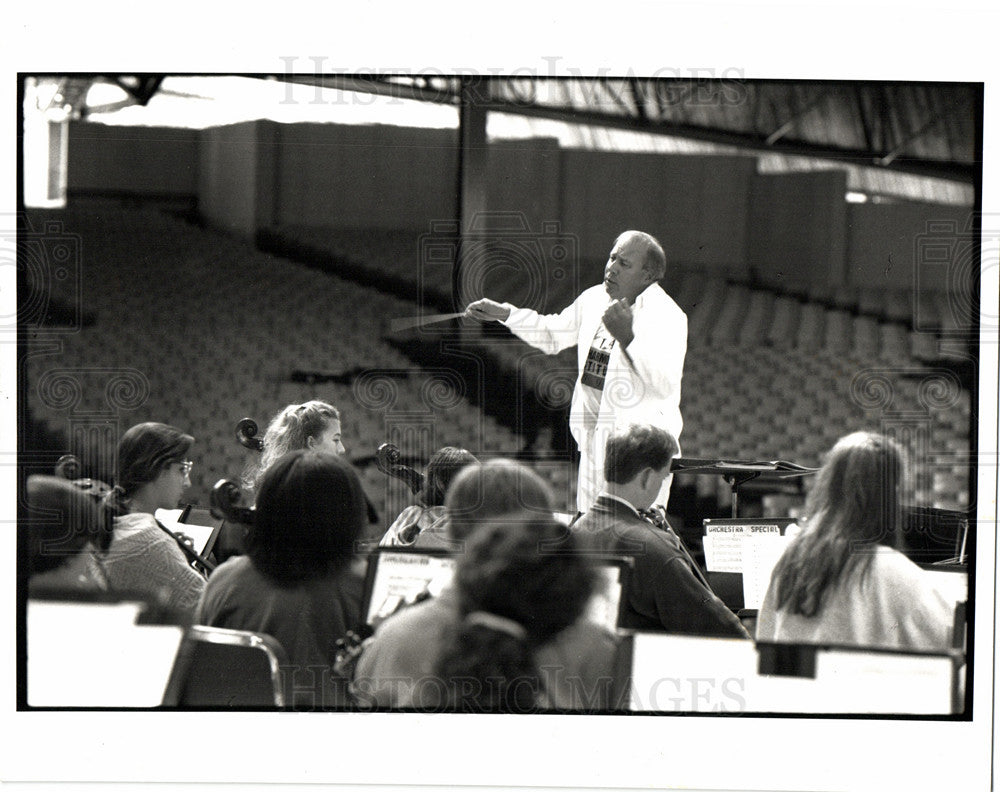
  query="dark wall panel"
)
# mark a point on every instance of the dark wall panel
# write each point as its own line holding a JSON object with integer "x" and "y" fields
{"x": 230, "y": 185}
{"x": 161, "y": 161}
{"x": 908, "y": 245}
{"x": 798, "y": 227}
{"x": 523, "y": 177}
{"x": 696, "y": 206}
{"x": 366, "y": 176}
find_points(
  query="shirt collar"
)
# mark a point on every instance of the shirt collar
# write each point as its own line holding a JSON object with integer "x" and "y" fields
{"x": 609, "y": 496}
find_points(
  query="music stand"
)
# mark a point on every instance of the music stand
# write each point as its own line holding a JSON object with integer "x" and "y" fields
{"x": 737, "y": 472}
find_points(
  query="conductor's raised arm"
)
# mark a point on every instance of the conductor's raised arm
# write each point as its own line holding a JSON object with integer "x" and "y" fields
{"x": 486, "y": 310}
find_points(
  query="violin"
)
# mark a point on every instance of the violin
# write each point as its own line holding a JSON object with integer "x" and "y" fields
{"x": 68, "y": 467}
{"x": 226, "y": 497}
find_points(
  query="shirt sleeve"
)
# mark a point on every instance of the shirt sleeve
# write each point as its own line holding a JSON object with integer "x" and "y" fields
{"x": 679, "y": 601}
{"x": 168, "y": 564}
{"x": 550, "y": 333}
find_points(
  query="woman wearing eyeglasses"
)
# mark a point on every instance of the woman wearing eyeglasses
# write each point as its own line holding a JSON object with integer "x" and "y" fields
{"x": 144, "y": 557}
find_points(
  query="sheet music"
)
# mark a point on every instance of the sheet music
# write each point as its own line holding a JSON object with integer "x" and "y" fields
{"x": 952, "y": 585}
{"x": 94, "y": 655}
{"x": 723, "y": 543}
{"x": 724, "y": 550}
{"x": 761, "y": 552}
{"x": 200, "y": 534}
{"x": 402, "y": 577}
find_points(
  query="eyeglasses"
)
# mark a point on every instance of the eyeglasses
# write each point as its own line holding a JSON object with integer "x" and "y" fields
{"x": 186, "y": 467}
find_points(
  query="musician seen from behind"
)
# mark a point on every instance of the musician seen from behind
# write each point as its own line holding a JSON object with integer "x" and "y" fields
{"x": 839, "y": 581}
{"x": 631, "y": 338}
{"x": 667, "y": 591}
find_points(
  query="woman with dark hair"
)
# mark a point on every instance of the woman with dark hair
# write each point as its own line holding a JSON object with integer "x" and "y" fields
{"x": 299, "y": 582}
{"x": 837, "y": 582}
{"x": 512, "y": 505}
{"x": 479, "y": 492}
{"x": 513, "y": 600}
{"x": 60, "y": 549}
{"x": 429, "y": 511}
{"x": 143, "y": 556}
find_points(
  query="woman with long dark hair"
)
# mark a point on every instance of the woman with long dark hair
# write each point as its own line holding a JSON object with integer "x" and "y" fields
{"x": 300, "y": 581}
{"x": 839, "y": 581}
{"x": 428, "y": 513}
{"x": 514, "y": 598}
{"x": 152, "y": 472}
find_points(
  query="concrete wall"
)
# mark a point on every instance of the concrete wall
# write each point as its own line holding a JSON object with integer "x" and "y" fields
{"x": 236, "y": 180}
{"x": 908, "y": 245}
{"x": 696, "y": 206}
{"x": 715, "y": 213}
{"x": 524, "y": 177}
{"x": 366, "y": 176}
{"x": 156, "y": 161}
{"x": 798, "y": 229}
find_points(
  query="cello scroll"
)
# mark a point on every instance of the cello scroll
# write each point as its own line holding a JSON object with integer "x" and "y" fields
{"x": 246, "y": 434}
{"x": 389, "y": 461}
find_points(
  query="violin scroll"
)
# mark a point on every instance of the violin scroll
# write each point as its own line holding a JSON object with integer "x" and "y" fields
{"x": 68, "y": 466}
{"x": 246, "y": 434}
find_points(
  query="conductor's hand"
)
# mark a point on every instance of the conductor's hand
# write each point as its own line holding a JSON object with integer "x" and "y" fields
{"x": 485, "y": 310}
{"x": 618, "y": 320}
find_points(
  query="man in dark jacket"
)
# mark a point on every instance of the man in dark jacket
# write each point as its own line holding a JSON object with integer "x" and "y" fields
{"x": 667, "y": 591}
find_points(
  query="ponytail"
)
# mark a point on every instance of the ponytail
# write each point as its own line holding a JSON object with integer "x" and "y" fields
{"x": 513, "y": 597}
{"x": 489, "y": 666}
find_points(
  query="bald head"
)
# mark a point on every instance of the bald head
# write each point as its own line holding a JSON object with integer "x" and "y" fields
{"x": 635, "y": 262}
{"x": 654, "y": 259}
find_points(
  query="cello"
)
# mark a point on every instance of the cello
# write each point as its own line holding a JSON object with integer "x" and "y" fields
{"x": 247, "y": 430}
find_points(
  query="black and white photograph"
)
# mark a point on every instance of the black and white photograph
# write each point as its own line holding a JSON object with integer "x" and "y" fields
{"x": 509, "y": 414}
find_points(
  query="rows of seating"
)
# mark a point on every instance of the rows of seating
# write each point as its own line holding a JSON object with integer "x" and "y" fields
{"x": 199, "y": 330}
{"x": 767, "y": 375}
{"x": 838, "y": 317}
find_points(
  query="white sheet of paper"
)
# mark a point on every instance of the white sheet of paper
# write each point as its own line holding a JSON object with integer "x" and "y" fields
{"x": 761, "y": 552}
{"x": 94, "y": 655}
{"x": 200, "y": 534}
{"x": 723, "y": 551}
{"x": 723, "y": 544}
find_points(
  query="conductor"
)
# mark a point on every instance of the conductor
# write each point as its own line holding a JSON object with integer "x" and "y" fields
{"x": 631, "y": 338}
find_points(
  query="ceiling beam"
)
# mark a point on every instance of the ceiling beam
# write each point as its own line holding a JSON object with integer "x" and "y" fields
{"x": 797, "y": 116}
{"x": 921, "y": 131}
{"x": 754, "y": 141}
{"x": 941, "y": 169}
{"x": 379, "y": 85}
